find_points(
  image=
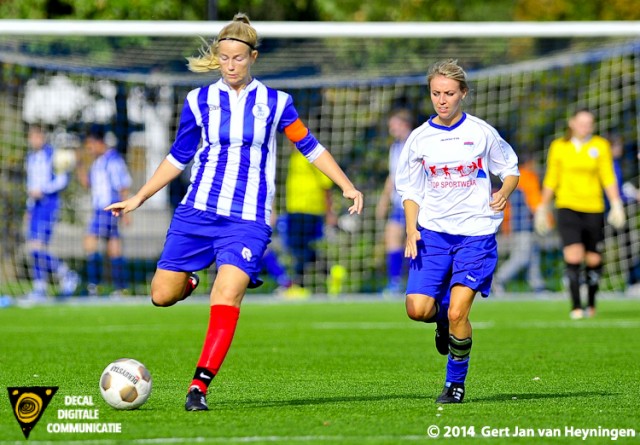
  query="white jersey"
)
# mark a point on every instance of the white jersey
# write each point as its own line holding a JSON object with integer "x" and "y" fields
{"x": 446, "y": 171}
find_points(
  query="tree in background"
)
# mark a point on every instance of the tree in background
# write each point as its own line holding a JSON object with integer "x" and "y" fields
{"x": 335, "y": 10}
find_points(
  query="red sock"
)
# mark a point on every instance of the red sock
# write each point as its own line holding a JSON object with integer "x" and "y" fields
{"x": 222, "y": 325}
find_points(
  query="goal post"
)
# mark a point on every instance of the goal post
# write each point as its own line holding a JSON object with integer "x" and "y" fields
{"x": 321, "y": 30}
{"x": 345, "y": 79}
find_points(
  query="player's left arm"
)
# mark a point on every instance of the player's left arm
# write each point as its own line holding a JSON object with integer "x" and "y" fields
{"x": 328, "y": 165}
{"x": 503, "y": 162}
{"x": 499, "y": 199}
{"x": 607, "y": 173}
{"x": 616, "y": 217}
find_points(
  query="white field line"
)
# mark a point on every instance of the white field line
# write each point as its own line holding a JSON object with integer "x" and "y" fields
{"x": 236, "y": 439}
{"x": 363, "y": 326}
{"x": 373, "y": 326}
{"x": 568, "y": 324}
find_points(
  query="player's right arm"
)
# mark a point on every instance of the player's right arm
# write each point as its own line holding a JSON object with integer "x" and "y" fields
{"x": 411, "y": 209}
{"x": 164, "y": 174}
{"x": 410, "y": 183}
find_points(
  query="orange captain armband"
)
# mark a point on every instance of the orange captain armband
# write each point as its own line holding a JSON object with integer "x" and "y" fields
{"x": 296, "y": 131}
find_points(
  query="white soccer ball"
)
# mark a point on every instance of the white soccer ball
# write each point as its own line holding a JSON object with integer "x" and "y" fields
{"x": 64, "y": 160}
{"x": 125, "y": 384}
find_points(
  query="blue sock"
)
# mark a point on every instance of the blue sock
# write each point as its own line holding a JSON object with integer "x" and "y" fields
{"x": 456, "y": 370}
{"x": 43, "y": 264}
{"x": 119, "y": 272}
{"x": 394, "y": 266}
{"x": 275, "y": 269}
{"x": 94, "y": 268}
{"x": 458, "y": 360}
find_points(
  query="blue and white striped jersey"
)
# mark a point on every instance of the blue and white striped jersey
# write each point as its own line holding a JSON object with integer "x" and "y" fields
{"x": 40, "y": 173}
{"x": 108, "y": 176}
{"x": 231, "y": 137}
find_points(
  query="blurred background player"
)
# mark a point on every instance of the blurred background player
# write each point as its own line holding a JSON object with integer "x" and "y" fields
{"x": 109, "y": 181}
{"x": 523, "y": 247}
{"x": 628, "y": 235}
{"x": 309, "y": 207}
{"x": 44, "y": 184}
{"x": 579, "y": 167}
{"x": 273, "y": 265}
{"x": 400, "y": 124}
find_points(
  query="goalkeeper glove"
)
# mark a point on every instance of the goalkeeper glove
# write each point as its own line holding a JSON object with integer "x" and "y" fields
{"x": 541, "y": 221}
{"x": 616, "y": 216}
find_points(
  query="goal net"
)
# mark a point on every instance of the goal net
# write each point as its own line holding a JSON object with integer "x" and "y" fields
{"x": 345, "y": 80}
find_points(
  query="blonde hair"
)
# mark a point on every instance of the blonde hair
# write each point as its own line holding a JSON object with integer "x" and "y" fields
{"x": 239, "y": 29}
{"x": 450, "y": 69}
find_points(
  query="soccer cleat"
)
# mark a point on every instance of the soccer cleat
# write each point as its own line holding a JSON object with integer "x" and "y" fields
{"x": 92, "y": 290}
{"x": 36, "y": 296}
{"x": 69, "y": 283}
{"x": 192, "y": 283}
{"x": 576, "y": 314}
{"x": 196, "y": 400}
{"x": 452, "y": 394}
{"x": 442, "y": 337}
{"x": 590, "y": 312}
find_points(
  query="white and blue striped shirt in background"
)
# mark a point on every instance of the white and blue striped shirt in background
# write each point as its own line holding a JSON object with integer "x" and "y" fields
{"x": 231, "y": 137}
{"x": 108, "y": 177}
{"x": 40, "y": 173}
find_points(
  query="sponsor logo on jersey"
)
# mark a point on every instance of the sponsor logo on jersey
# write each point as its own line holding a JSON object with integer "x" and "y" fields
{"x": 260, "y": 111}
{"x": 462, "y": 170}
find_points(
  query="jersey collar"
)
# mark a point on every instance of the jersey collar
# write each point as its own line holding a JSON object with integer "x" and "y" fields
{"x": 444, "y": 128}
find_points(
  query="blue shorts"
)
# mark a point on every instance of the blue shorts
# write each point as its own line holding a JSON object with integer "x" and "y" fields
{"x": 197, "y": 238}
{"x": 103, "y": 225}
{"x": 444, "y": 260}
{"x": 43, "y": 217}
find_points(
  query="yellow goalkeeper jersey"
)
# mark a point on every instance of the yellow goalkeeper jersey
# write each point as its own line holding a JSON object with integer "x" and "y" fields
{"x": 306, "y": 187}
{"x": 578, "y": 176}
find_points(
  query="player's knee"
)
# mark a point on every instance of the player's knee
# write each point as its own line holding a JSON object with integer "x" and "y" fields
{"x": 161, "y": 299}
{"x": 413, "y": 314}
{"x": 420, "y": 309}
{"x": 457, "y": 316}
{"x": 227, "y": 295}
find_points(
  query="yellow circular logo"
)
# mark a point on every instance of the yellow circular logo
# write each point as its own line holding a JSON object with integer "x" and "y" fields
{"x": 28, "y": 407}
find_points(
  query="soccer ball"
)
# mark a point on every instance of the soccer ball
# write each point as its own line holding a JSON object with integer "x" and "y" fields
{"x": 64, "y": 160}
{"x": 125, "y": 384}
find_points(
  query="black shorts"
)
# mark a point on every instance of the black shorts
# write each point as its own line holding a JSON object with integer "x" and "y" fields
{"x": 581, "y": 228}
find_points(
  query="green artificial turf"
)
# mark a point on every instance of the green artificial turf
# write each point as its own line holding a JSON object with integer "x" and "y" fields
{"x": 337, "y": 373}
